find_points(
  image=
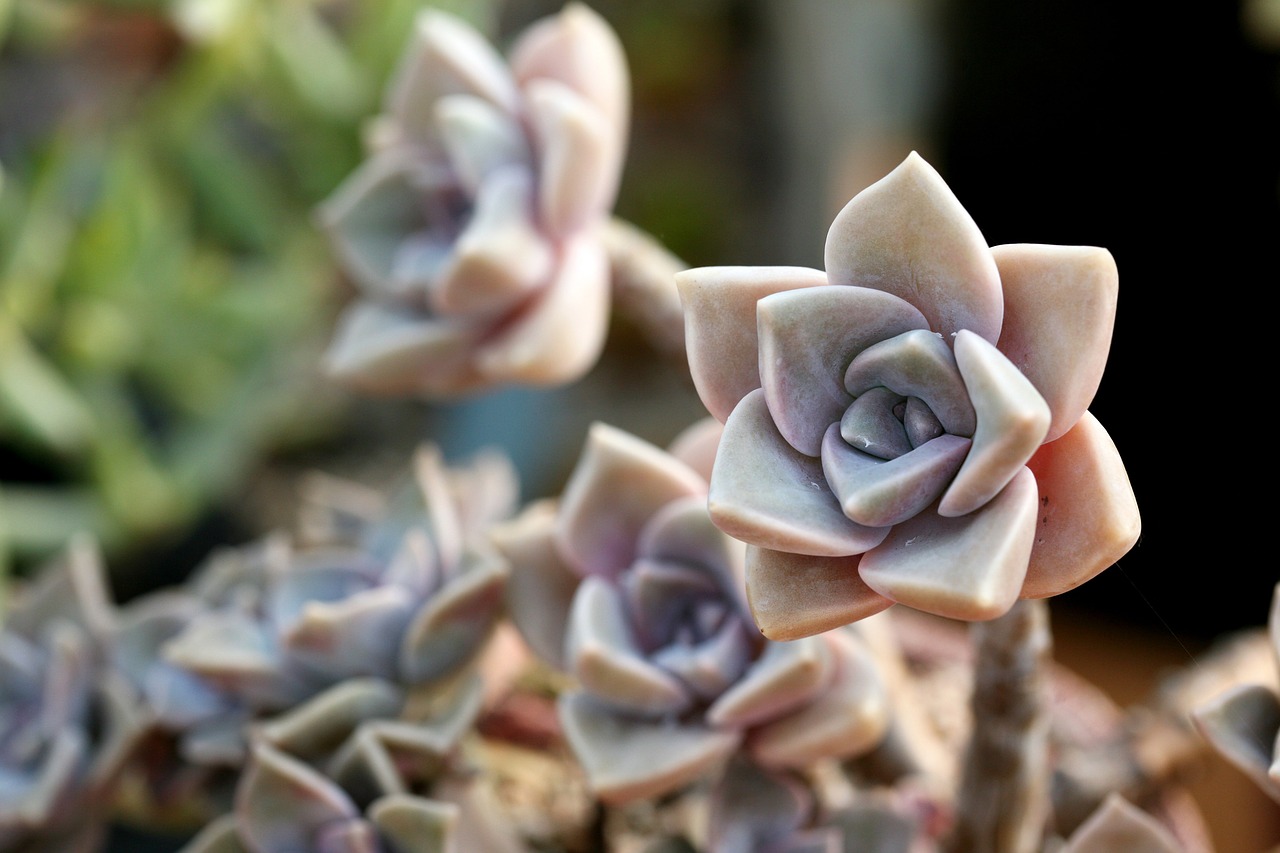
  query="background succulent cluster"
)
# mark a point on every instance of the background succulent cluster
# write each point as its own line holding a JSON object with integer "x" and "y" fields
{"x": 166, "y": 294}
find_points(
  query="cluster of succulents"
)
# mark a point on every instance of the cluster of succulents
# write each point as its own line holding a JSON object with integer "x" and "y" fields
{"x": 909, "y": 426}
{"x": 473, "y": 228}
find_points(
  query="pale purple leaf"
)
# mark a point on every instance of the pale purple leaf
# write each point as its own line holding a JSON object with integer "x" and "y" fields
{"x": 628, "y": 759}
{"x": 766, "y": 493}
{"x": 1059, "y": 313}
{"x": 1012, "y": 421}
{"x": 968, "y": 568}
{"x": 908, "y": 234}
{"x": 917, "y": 363}
{"x": 878, "y": 492}
{"x": 782, "y": 678}
{"x": 808, "y": 338}
{"x": 720, "y": 326}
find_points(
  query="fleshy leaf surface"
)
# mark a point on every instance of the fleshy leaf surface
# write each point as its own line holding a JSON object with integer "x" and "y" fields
{"x": 766, "y": 493}
{"x": 908, "y": 234}
{"x": 970, "y": 568}
{"x": 794, "y": 595}
{"x": 1059, "y": 315}
{"x": 808, "y": 338}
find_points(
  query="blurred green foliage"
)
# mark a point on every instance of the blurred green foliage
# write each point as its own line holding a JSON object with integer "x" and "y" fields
{"x": 164, "y": 294}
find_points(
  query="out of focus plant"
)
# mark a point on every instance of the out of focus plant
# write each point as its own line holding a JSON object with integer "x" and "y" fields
{"x": 163, "y": 289}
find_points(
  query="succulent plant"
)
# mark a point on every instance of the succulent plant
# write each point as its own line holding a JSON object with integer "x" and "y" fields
{"x": 1243, "y": 723}
{"x": 472, "y": 228}
{"x": 403, "y": 592}
{"x": 625, "y": 583}
{"x": 67, "y": 726}
{"x": 284, "y": 805}
{"x": 911, "y": 425}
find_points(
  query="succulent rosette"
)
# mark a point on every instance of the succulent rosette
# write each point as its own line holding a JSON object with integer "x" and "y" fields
{"x": 471, "y": 230}
{"x": 67, "y": 726}
{"x": 1243, "y": 723}
{"x": 911, "y": 425}
{"x": 625, "y": 583}
{"x": 285, "y": 805}
{"x": 403, "y": 591}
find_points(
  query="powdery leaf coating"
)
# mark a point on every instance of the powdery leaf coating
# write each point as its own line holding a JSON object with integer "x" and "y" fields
{"x": 672, "y": 677}
{"x": 473, "y": 228}
{"x": 933, "y": 437}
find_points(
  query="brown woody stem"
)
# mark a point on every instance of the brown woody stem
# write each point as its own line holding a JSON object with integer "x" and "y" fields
{"x": 1003, "y": 801}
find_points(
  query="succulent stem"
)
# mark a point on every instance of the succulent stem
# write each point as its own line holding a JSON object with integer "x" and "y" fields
{"x": 1003, "y": 802}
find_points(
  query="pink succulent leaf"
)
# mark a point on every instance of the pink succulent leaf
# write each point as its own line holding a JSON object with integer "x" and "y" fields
{"x": 483, "y": 492}
{"x": 795, "y": 595}
{"x": 499, "y": 258}
{"x": 31, "y": 795}
{"x": 447, "y": 533}
{"x": 618, "y": 484}
{"x": 321, "y": 723}
{"x": 871, "y": 424}
{"x": 755, "y": 810}
{"x": 282, "y": 803}
{"x": 1060, "y": 310}
{"x": 907, "y": 234}
{"x": 450, "y": 630}
{"x": 1088, "y": 515}
{"x": 916, "y": 363}
{"x": 329, "y": 575}
{"x": 225, "y": 646}
{"x": 696, "y": 444}
{"x": 766, "y": 493}
{"x": 414, "y": 825}
{"x": 390, "y": 756}
{"x": 540, "y": 585}
{"x": 578, "y": 157}
{"x": 346, "y": 638}
{"x": 720, "y": 326}
{"x": 602, "y": 652}
{"x": 447, "y": 56}
{"x": 682, "y": 533}
{"x": 657, "y": 595}
{"x": 1117, "y": 826}
{"x": 392, "y": 244}
{"x": 807, "y": 339}
{"x": 850, "y": 716}
{"x": 784, "y": 677}
{"x": 352, "y": 836}
{"x": 415, "y": 567}
{"x": 71, "y": 586}
{"x": 710, "y": 667}
{"x": 970, "y": 568}
{"x": 1243, "y": 725}
{"x": 627, "y": 759}
{"x": 579, "y": 49}
{"x": 1012, "y": 421}
{"x": 878, "y": 492}
{"x": 387, "y": 349}
{"x": 479, "y": 139}
{"x": 557, "y": 335}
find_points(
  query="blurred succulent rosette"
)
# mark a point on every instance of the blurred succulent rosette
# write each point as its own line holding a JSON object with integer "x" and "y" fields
{"x": 401, "y": 592}
{"x": 1243, "y": 722}
{"x": 471, "y": 230}
{"x": 370, "y": 796}
{"x": 624, "y": 583}
{"x": 911, "y": 425}
{"x": 67, "y": 724}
